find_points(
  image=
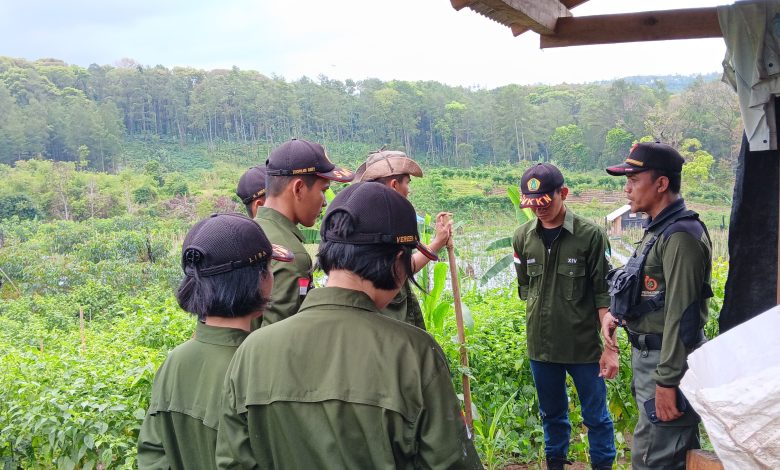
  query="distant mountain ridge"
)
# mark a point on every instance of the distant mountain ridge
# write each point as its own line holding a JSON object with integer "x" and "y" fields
{"x": 673, "y": 83}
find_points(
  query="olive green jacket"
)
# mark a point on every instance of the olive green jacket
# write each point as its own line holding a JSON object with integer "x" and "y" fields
{"x": 180, "y": 429}
{"x": 405, "y": 307}
{"x": 340, "y": 386}
{"x": 563, "y": 288}
{"x": 290, "y": 279}
{"x": 679, "y": 263}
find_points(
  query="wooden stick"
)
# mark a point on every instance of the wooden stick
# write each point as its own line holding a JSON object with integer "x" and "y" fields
{"x": 464, "y": 356}
{"x": 81, "y": 326}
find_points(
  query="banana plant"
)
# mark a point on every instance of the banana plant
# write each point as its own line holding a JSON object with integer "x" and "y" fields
{"x": 435, "y": 310}
{"x": 522, "y": 216}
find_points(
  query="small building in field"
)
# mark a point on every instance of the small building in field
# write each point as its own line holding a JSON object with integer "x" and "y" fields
{"x": 622, "y": 218}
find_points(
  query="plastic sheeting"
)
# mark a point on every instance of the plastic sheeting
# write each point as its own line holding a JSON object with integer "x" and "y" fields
{"x": 734, "y": 384}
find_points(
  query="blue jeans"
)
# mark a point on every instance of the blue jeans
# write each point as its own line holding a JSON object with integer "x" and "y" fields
{"x": 550, "y": 380}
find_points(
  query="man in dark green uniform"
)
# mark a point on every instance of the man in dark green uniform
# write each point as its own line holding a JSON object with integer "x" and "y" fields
{"x": 395, "y": 170}
{"x": 339, "y": 385}
{"x": 227, "y": 283}
{"x": 561, "y": 262}
{"x": 661, "y": 296}
{"x": 251, "y": 189}
{"x": 299, "y": 173}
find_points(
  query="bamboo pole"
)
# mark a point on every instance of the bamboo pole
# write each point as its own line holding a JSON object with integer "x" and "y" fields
{"x": 464, "y": 356}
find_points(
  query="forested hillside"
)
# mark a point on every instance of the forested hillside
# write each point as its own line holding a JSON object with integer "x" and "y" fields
{"x": 52, "y": 110}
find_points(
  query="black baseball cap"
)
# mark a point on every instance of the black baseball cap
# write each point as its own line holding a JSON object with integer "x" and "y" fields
{"x": 251, "y": 185}
{"x": 300, "y": 157}
{"x": 538, "y": 185}
{"x": 648, "y": 156}
{"x": 380, "y": 216}
{"x": 224, "y": 242}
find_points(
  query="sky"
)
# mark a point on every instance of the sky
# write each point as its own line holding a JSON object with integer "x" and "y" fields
{"x": 341, "y": 39}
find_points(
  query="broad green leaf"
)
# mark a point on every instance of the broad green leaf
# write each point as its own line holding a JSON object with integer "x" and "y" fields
{"x": 514, "y": 195}
{"x": 500, "y": 243}
{"x": 329, "y": 195}
{"x": 494, "y": 270}
{"x": 439, "y": 314}
{"x": 311, "y": 236}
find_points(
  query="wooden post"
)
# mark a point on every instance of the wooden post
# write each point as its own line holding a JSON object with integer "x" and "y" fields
{"x": 464, "y": 356}
{"x": 81, "y": 327}
{"x": 702, "y": 460}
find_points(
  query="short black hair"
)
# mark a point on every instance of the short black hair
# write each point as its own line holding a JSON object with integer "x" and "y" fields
{"x": 232, "y": 294}
{"x": 373, "y": 262}
{"x": 248, "y": 208}
{"x": 675, "y": 178}
{"x": 275, "y": 184}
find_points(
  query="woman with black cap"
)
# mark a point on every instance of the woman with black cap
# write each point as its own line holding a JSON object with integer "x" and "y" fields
{"x": 226, "y": 284}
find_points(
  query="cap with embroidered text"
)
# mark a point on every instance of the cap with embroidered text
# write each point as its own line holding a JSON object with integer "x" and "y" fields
{"x": 379, "y": 216}
{"x": 251, "y": 185}
{"x": 224, "y": 242}
{"x": 538, "y": 185}
{"x": 298, "y": 157}
{"x": 647, "y": 156}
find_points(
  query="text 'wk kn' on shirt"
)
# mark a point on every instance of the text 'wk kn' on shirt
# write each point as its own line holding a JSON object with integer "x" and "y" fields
{"x": 563, "y": 288}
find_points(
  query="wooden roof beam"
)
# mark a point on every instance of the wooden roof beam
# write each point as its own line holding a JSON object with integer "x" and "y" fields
{"x": 520, "y": 15}
{"x": 690, "y": 23}
{"x": 519, "y": 21}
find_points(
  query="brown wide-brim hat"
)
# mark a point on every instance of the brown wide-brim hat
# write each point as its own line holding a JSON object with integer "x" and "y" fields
{"x": 387, "y": 163}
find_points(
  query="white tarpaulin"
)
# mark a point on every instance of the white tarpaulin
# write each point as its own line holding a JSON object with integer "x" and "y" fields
{"x": 734, "y": 384}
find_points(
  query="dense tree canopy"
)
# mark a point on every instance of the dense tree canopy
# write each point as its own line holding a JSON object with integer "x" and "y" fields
{"x": 49, "y": 109}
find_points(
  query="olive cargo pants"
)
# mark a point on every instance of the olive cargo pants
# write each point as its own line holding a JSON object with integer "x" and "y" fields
{"x": 662, "y": 445}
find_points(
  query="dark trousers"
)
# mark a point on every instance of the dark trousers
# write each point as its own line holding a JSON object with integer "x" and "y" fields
{"x": 550, "y": 380}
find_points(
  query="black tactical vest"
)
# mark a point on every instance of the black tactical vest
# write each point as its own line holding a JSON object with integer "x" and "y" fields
{"x": 625, "y": 288}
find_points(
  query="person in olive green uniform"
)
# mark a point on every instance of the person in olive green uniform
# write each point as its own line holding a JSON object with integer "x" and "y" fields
{"x": 299, "y": 173}
{"x": 395, "y": 170}
{"x": 227, "y": 283}
{"x": 251, "y": 189}
{"x": 665, "y": 321}
{"x": 339, "y": 385}
{"x": 561, "y": 262}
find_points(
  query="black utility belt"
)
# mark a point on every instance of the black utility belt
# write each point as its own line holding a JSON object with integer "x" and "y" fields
{"x": 652, "y": 342}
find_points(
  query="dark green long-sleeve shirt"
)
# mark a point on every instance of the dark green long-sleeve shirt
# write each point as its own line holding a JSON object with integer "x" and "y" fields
{"x": 679, "y": 263}
{"x": 290, "y": 279}
{"x": 563, "y": 289}
{"x": 180, "y": 429}
{"x": 405, "y": 307}
{"x": 340, "y": 386}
